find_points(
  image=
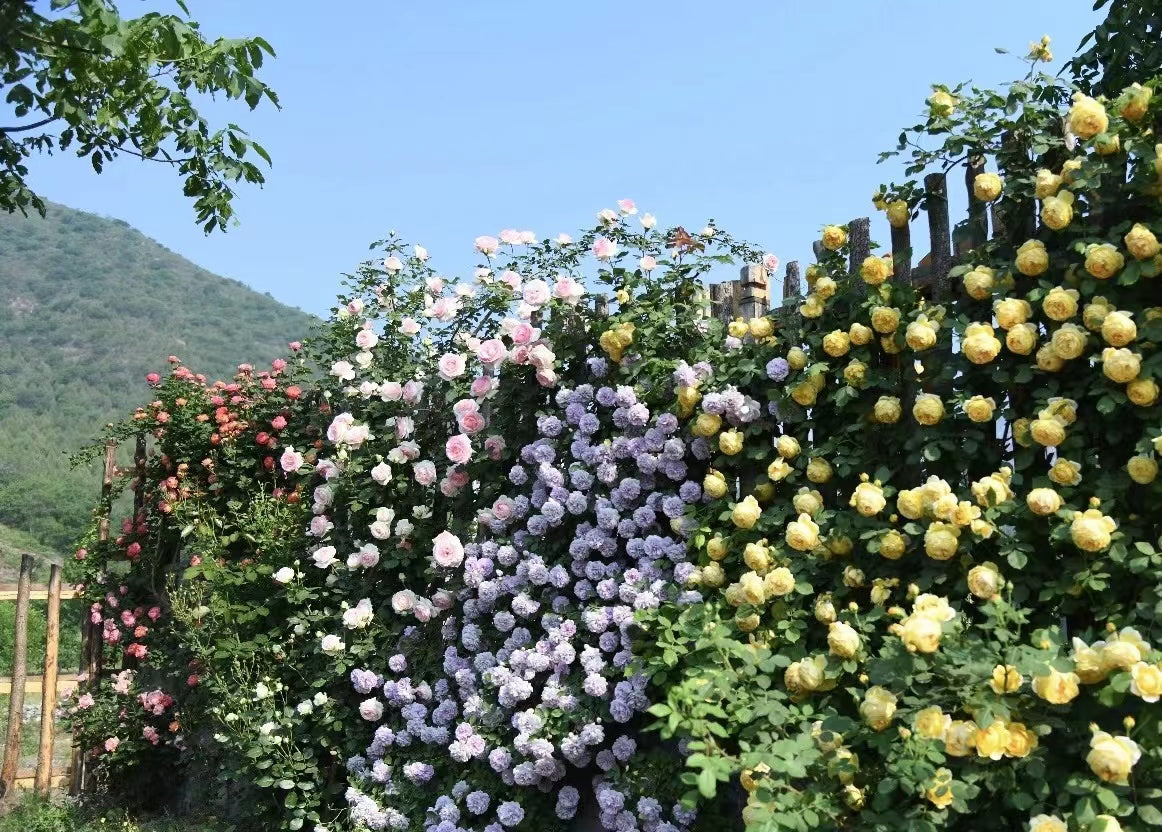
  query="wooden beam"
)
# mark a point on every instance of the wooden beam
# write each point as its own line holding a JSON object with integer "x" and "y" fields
{"x": 19, "y": 671}
{"x": 8, "y": 592}
{"x": 35, "y": 684}
{"x": 48, "y": 697}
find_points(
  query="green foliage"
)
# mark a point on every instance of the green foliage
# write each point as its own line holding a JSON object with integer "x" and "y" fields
{"x": 86, "y": 80}
{"x": 88, "y": 306}
{"x": 1125, "y": 47}
{"x": 33, "y": 814}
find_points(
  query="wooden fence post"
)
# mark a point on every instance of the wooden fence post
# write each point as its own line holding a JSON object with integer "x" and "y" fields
{"x": 48, "y": 698}
{"x": 19, "y": 677}
{"x": 753, "y": 298}
{"x": 902, "y": 253}
{"x": 977, "y": 229}
{"x": 936, "y": 186}
{"x": 723, "y": 298}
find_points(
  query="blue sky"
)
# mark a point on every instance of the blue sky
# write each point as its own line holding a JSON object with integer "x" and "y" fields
{"x": 446, "y": 120}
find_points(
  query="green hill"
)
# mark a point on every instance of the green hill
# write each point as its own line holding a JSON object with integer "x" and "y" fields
{"x": 88, "y": 306}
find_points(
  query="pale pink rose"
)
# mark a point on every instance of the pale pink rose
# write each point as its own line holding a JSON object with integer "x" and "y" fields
{"x": 528, "y": 237}
{"x": 86, "y": 701}
{"x": 524, "y": 311}
{"x": 563, "y": 239}
{"x": 536, "y": 293}
{"x": 326, "y": 469}
{"x": 337, "y": 430}
{"x": 459, "y": 479}
{"x": 451, "y": 365}
{"x": 568, "y": 289}
{"x": 403, "y": 600}
{"x": 357, "y": 435}
{"x": 442, "y": 599}
{"x": 448, "y": 488}
{"x": 391, "y": 391}
{"x": 423, "y": 610}
{"x": 604, "y": 249}
{"x": 481, "y": 386}
{"x": 150, "y": 734}
{"x": 371, "y": 710}
{"x": 492, "y": 351}
{"x": 424, "y": 472}
{"x": 472, "y": 423}
{"x": 648, "y": 221}
{"x": 409, "y": 326}
{"x": 502, "y": 508}
{"x": 412, "y": 391}
{"x": 291, "y": 460}
{"x": 368, "y": 555}
{"x": 546, "y": 378}
{"x": 343, "y": 370}
{"x": 410, "y": 450}
{"x": 355, "y": 307}
{"x": 111, "y": 744}
{"x": 421, "y": 253}
{"x": 367, "y": 389}
{"x": 523, "y": 333}
{"x": 482, "y": 274}
{"x": 404, "y": 426}
{"x": 541, "y": 357}
{"x": 365, "y": 339}
{"x": 458, "y": 448}
{"x": 464, "y": 290}
{"x": 442, "y": 308}
{"x": 393, "y": 264}
{"x": 495, "y": 446}
{"x": 510, "y": 237}
{"x": 380, "y": 531}
{"x": 607, "y": 216}
{"x": 447, "y": 550}
{"x": 771, "y": 263}
{"x": 648, "y": 263}
{"x": 320, "y": 525}
{"x": 465, "y": 406}
{"x": 435, "y": 284}
{"x": 487, "y": 245}
{"x": 520, "y": 355}
{"x": 510, "y": 279}
{"x": 381, "y": 473}
{"x": 627, "y": 206}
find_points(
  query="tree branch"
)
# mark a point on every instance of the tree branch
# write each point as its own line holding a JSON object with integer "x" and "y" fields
{"x": 20, "y": 128}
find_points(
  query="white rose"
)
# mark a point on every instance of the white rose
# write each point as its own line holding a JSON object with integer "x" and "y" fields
{"x": 284, "y": 575}
{"x": 331, "y": 645}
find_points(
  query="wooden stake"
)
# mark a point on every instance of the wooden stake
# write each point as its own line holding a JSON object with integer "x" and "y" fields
{"x": 48, "y": 699}
{"x": 19, "y": 674}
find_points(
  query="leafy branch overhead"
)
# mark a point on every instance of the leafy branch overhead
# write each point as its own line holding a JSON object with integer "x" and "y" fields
{"x": 80, "y": 77}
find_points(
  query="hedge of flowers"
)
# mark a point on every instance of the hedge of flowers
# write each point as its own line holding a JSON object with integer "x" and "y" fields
{"x": 486, "y": 554}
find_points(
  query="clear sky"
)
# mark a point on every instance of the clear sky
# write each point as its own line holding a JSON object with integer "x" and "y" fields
{"x": 446, "y": 120}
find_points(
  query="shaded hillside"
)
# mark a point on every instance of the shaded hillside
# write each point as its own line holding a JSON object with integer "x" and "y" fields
{"x": 88, "y": 306}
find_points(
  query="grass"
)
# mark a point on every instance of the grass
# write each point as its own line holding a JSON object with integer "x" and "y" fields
{"x": 33, "y": 814}
{"x": 30, "y": 738}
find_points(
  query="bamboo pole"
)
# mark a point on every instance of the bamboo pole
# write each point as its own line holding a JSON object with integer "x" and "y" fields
{"x": 48, "y": 698}
{"x": 19, "y": 673}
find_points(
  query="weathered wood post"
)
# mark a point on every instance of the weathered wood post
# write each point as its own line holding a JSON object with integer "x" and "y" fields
{"x": 19, "y": 677}
{"x": 723, "y": 299}
{"x": 48, "y": 698}
{"x": 902, "y": 252}
{"x": 977, "y": 230}
{"x": 936, "y": 187}
{"x": 753, "y": 297}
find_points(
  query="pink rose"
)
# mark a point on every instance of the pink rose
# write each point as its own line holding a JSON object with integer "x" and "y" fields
{"x": 492, "y": 351}
{"x": 472, "y": 423}
{"x": 409, "y": 326}
{"x": 451, "y": 365}
{"x": 495, "y": 446}
{"x": 502, "y": 508}
{"x": 520, "y": 354}
{"x": 458, "y": 448}
{"x": 465, "y": 406}
{"x": 546, "y": 378}
{"x": 447, "y": 551}
{"x": 536, "y": 293}
{"x": 85, "y": 702}
{"x": 424, "y": 472}
{"x": 443, "y": 600}
{"x": 542, "y": 357}
{"x": 320, "y": 525}
{"x": 423, "y": 610}
{"x": 412, "y": 391}
{"x": 771, "y": 263}
{"x": 403, "y": 600}
{"x": 295, "y": 346}
{"x": 458, "y": 478}
{"x": 278, "y": 365}
{"x": 481, "y": 386}
{"x": 528, "y": 237}
{"x": 568, "y": 289}
{"x": 154, "y": 613}
{"x": 391, "y": 391}
{"x": 448, "y": 488}
{"x": 368, "y": 555}
{"x": 523, "y": 333}
{"x": 510, "y": 237}
{"x": 152, "y": 378}
{"x": 627, "y": 206}
{"x": 150, "y": 734}
{"x": 291, "y": 460}
{"x": 435, "y": 285}
{"x": 371, "y": 710}
{"x": 510, "y": 279}
{"x": 111, "y": 744}
{"x": 604, "y": 249}
{"x": 487, "y": 245}
{"x": 278, "y": 422}
{"x": 393, "y": 264}
{"x": 365, "y": 339}
{"x": 648, "y": 263}
{"x": 355, "y": 307}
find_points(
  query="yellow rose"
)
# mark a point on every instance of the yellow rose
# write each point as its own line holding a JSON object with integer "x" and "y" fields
{"x": 942, "y": 103}
{"x": 878, "y": 708}
{"x": 716, "y": 548}
{"x": 868, "y": 498}
{"x": 779, "y": 470}
{"x": 764, "y": 492}
{"x": 984, "y": 580}
{"x": 1043, "y": 501}
{"x": 941, "y": 540}
{"x": 959, "y": 738}
{"x": 1032, "y": 258}
{"x": 757, "y": 557}
{"x": 1118, "y": 328}
{"x": 855, "y": 373}
{"x": 1068, "y": 341}
{"x": 818, "y": 470}
{"x": 931, "y": 723}
{"x": 1065, "y": 472}
{"x": 751, "y": 588}
{"x": 730, "y": 442}
{"x": 746, "y": 512}
{"x": 1021, "y": 742}
{"x": 885, "y": 319}
{"x": 1047, "y": 823}
{"x": 1123, "y": 651}
{"x": 1112, "y": 758}
{"x": 921, "y": 634}
{"x": 1048, "y": 359}
{"x": 978, "y": 283}
{"x": 808, "y": 501}
{"x": 893, "y": 544}
{"x": 747, "y": 623}
{"x": 712, "y": 575}
{"x": 987, "y": 186}
{"x": 796, "y": 358}
{"x": 1142, "y": 469}
{"x": 706, "y": 425}
{"x": 991, "y": 741}
{"x": 714, "y": 484}
{"x": 921, "y": 333}
{"x": 875, "y": 270}
{"x": 802, "y": 534}
{"x": 1087, "y": 117}
{"x": 1012, "y": 311}
{"x": 965, "y": 514}
{"x": 787, "y": 446}
{"x": 1091, "y": 530}
{"x": 824, "y": 609}
{"x": 910, "y": 503}
{"x": 760, "y": 327}
{"x": 1103, "y": 261}
{"x": 1021, "y": 339}
{"x": 1060, "y": 304}
{"x": 836, "y": 343}
{"x": 843, "y": 640}
{"x": 1120, "y": 365}
{"x": 812, "y": 306}
{"x": 928, "y": 409}
{"x": 1147, "y": 681}
{"x": 980, "y": 345}
{"x": 887, "y": 410}
{"x": 1047, "y": 432}
{"x": 1057, "y": 211}
{"x": 1107, "y": 145}
{"x": 812, "y": 675}
{"x": 939, "y": 791}
{"x": 898, "y": 213}
{"x": 853, "y": 577}
{"x": 779, "y": 581}
{"x": 1141, "y": 242}
{"x": 834, "y": 237}
{"x": 1056, "y": 687}
{"x": 1048, "y": 183}
{"x": 1142, "y": 391}
{"x": 1094, "y": 313}
{"x": 1069, "y": 169}
{"x": 737, "y": 328}
{"x": 860, "y": 334}
{"x": 1005, "y": 679}
{"x": 1134, "y": 101}
{"x": 980, "y": 409}
{"x": 805, "y": 393}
